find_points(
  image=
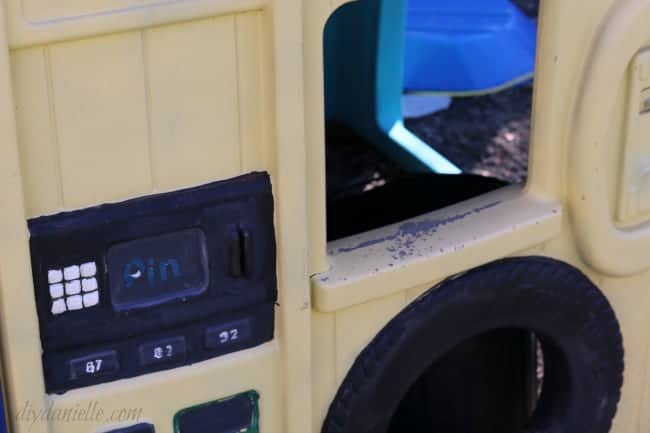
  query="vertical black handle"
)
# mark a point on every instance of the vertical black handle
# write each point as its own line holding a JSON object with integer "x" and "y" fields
{"x": 241, "y": 251}
{"x": 234, "y": 252}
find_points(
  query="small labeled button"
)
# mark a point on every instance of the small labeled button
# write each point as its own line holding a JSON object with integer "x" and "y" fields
{"x": 58, "y": 307}
{"x": 88, "y": 269}
{"x": 165, "y": 350}
{"x": 71, "y": 273}
{"x": 56, "y": 290}
{"x": 74, "y": 302}
{"x": 91, "y": 299}
{"x": 54, "y": 276}
{"x": 72, "y": 287}
{"x": 227, "y": 334}
{"x": 89, "y": 284}
{"x": 95, "y": 364}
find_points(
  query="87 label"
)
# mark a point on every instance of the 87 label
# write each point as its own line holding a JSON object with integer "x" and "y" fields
{"x": 94, "y": 366}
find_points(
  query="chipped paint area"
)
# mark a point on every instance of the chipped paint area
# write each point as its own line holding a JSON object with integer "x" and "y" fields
{"x": 439, "y": 233}
{"x": 402, "y": 241}
{"x": 434, "y": 246}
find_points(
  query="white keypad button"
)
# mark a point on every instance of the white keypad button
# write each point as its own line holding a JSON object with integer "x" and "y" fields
{"x": 74, "y": 302}
{"x": 72, "y": 287}
{"x": 58, "y": 306}
{"x": 71, "y": 272}
{"x": 91, "y": 299}
{"x": 56, "y": 290}
{"x": 88, "y": 269}
{"x": 54, "y": 276}
{"x": 89, "y": 284}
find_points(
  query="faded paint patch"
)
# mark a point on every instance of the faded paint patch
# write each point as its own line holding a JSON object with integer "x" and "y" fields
{"x": 407, "y": 233}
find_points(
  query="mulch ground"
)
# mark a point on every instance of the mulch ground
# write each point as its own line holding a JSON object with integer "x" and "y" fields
{"x": 485, "y": 135}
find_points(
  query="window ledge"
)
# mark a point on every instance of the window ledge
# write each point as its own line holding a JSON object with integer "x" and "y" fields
{"x": 433, "y": 246}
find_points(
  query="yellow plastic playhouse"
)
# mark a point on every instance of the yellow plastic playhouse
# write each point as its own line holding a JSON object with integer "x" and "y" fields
{"x": 164, "y": 262}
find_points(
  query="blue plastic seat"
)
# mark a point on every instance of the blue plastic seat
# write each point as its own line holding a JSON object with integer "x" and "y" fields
{"x": 363, "y": 51}
{"x": 448, "y": 46}
{"x": 467, "y": 46}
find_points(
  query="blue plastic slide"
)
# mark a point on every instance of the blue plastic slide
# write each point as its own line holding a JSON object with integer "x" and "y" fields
{"x": 467, "y": 46}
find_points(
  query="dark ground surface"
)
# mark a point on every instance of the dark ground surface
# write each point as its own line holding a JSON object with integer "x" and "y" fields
{"x": 485, "y": 135}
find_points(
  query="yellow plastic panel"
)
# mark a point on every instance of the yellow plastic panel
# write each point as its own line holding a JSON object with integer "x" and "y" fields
{"x": 24, "y": 32}
{"x": 565, "y": 248}
{"x": 415, "y": 292}
{"x": 323, "y": 365}
{"x": 356, "y": 326}
{"x": 316, "y": 15}
{"x": 634, "y": 194}
{"x": 19, "y": 336}
{"x": 289, "y": 186}
{"x": 36, "y": 134}
{"x": 101, "y": 119}
{"x": 193, "y": 98}
{"x": 250, "y": 85}
{"x": 594, "y": 131}
{"x": 47, "y": 10}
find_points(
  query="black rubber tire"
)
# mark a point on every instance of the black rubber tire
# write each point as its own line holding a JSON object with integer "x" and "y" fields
{"x": 579, "y": 332}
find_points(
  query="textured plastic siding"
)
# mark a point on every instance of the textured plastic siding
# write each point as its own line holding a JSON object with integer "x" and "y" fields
{"x": 118, "y": 116}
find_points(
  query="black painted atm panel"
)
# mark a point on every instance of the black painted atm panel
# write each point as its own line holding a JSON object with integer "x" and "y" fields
{"x": 155, "y": 282}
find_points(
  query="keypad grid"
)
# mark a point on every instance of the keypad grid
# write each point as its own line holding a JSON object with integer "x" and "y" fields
{"x": 73, "y": 287}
